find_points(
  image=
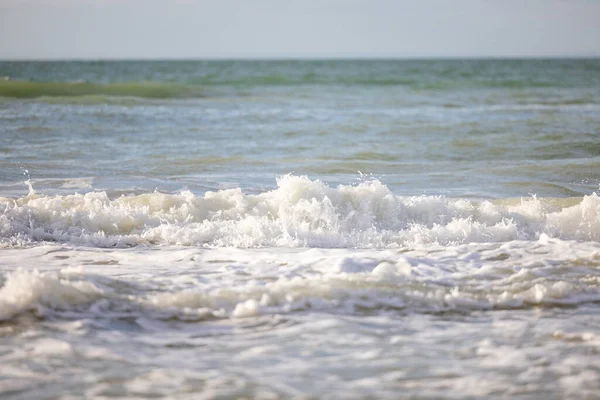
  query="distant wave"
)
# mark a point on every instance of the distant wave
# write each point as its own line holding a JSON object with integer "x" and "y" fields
{"x": 299, "y": 213}
{"x": 196, "y": 87}
{"x": 150, "y": 90}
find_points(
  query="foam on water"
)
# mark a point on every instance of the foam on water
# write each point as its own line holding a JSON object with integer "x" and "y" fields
{"x": 300, "y": 212}
{"x": 198, "y": 284}
{"x": 25, "y": 291}
{"x": 179, "y": 294}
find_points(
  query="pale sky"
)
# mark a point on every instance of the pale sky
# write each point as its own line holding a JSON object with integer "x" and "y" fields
{"x": 116, "y": 29}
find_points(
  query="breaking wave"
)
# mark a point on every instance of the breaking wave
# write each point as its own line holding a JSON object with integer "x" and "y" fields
{"x": 299, "y": 213}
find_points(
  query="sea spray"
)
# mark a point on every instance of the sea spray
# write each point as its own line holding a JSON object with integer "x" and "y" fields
{"x": 300, "y": 212}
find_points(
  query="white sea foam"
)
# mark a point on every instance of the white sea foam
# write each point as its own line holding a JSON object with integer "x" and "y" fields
{"x": 428, "y": 264}
{"x": 492, "y": 314}
{"x": 33, "y": 291}
{"x": 300, "y": 212}
{"x": 197, "y": 284}
{"x": 352, "y": 276}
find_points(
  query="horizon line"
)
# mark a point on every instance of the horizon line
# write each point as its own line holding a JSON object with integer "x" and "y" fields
{"x": 313, "y": 58}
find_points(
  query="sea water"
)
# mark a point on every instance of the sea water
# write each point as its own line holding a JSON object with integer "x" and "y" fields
{"x": 300, "y": 229}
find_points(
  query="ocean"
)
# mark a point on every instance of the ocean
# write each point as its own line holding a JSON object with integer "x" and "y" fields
{"x": 319, "y": 229}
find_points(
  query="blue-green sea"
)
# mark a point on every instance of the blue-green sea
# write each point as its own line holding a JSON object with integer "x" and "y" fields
{"x": 300, "y": 229}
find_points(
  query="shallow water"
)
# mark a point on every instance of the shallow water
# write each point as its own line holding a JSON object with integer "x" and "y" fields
{"x": 317, "y": 229}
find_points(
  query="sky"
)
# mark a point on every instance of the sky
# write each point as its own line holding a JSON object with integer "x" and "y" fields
{"x": 195, "y": 29}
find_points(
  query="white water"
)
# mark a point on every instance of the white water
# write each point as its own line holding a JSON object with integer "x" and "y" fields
{"x": 232, "y": 295}
{"x": 300, "y": 212}
{"x": 492, "y": 319}
{"x": 201, "y": 284}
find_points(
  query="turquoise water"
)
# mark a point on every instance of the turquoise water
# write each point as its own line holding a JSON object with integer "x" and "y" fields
{"x": 300, "y": 229}
{"x": 461, "y": 128}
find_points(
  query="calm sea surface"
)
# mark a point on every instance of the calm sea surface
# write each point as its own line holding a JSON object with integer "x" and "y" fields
{"x": 300, "y": 229}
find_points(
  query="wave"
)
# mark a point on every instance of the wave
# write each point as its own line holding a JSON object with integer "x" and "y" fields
{"x": 247, "y": 283}
{"x": 299, "y": 213}
{"x": 197, "y": 87}
{"x": 149, "y": 90}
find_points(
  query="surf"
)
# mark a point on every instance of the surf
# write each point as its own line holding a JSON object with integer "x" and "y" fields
{"x": 300, "y": 212}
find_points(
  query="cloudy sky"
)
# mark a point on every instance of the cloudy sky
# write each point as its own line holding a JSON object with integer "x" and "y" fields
{"x": 114, "y": 29}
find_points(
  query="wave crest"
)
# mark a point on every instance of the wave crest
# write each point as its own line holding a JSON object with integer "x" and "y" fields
{"x": 300, "y": 212}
